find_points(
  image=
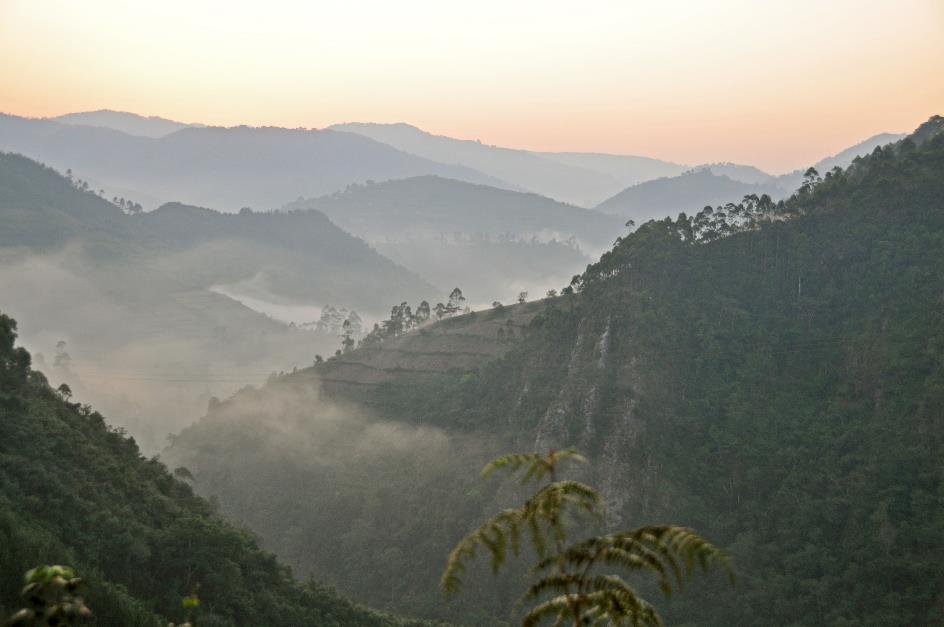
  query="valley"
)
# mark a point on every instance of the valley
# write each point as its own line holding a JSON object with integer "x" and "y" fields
{"x": 491, "y": 314}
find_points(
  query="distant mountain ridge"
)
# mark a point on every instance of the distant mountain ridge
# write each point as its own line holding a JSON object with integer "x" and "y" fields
{"x": 432, "y": 205}
{"x": 576, "y": 178}
{"x": 582, "y": 179}
{"x": 126, "y": 122}
{"x": 720, "y": 183}
{"x": 687, "y": 192}
{"x": 224, "y": 168}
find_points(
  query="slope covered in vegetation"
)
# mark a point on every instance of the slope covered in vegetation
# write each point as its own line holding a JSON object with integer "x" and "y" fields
{"x": 74, "y": 490}
{"x": 493, "y": 242}
{"x": 148, "y": 303}
{"x": 44, "y": 211}
{"x": 771, "y": 374}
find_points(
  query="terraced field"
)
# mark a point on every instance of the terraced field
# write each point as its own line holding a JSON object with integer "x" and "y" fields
{"x": 448, "y": 347}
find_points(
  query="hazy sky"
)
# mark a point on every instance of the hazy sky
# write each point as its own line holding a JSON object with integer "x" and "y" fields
{"x": 775, "y": 83}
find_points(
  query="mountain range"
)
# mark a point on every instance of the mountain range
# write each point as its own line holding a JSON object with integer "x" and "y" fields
{"x": 767, "y": 374}
{"x": 154, "y": 160}
{"x": 581, "y": 179}
{"x": 224, "y": 168}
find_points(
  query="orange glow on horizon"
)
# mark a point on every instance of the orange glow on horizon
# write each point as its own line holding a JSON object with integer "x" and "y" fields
{"x": 776, "y": 84}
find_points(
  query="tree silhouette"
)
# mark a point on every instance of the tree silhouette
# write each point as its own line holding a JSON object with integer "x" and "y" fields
{"x": 456, "y": 301}
{"x": 422, "y": 312}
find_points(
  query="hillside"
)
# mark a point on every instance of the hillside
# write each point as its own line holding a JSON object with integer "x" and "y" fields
{"x": 44, "y": 211}
{"x": 771, "y": 377}
{"x": 156, "y": 299}
{"x": 368, "y": 480}
{"x": 459, "y": 345}
{"x": 842, "y": 159}
{"x": 75, "y": 490}
{"x": 225, "y": 168}
{"x": 431, "y": 206}
{"x": 583, "y": 180}
{"x": 293, "y": 255}
{"x": 689, "y": 193}
{"x": 492, "y": 242}
{"x": 720, "y": 183}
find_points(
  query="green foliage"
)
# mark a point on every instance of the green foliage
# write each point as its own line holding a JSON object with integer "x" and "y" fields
{"x": 581, "y": 593}
{"x": 539, "y": 466}
{"x": 74, "y": 489}
{"x": 542, "y": 517}
{"x": 51, "y": 599}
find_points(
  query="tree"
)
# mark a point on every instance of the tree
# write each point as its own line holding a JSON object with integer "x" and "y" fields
{"x": 811, "y": 179}
{"x": 440, "y": 310}
{"x": 422, "y": 312}
{"x": 64, "y": 391}
{"x": 576, "y": 282}
{"x": 522, "y": 297}
{"x": 356, "y": 324}
{"x": 551, "y": 293}
{"x": 456, "y": 301}
{"x": 578, "y": 582}
{"x": 497, "y": 304}
{"x": 347, "y": 339}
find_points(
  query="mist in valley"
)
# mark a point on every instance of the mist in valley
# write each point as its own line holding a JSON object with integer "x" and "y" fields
{"x": 421, "y": 314}
{"x": 328, "y": 484}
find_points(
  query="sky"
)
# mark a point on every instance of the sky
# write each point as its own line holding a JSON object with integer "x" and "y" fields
{"x": 777, "y": 84}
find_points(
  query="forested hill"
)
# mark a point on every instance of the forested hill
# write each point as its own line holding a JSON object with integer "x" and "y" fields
{"x": 74, "y": 490}
{"x": 770, "y": 374}
{"x": 436, "y": 206}
{"x": 197, "y": 247}
{"x": 686, "y": 192}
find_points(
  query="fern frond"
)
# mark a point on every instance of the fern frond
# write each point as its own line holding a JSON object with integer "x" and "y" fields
{"x": 542, "y": 514}
{"x": 492, "y": 534}
{"x": 556, "y": 582}
{"x": 608, "y": 600}
{"x": 615, "y": 603}
{"x": 538, "y": 466}
{"x": 670, "y": 553}
{"x": 558, "y": 608}
{"x": 512, "y": 462}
